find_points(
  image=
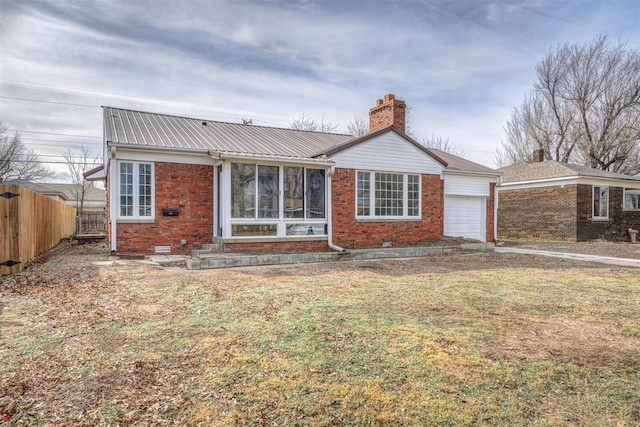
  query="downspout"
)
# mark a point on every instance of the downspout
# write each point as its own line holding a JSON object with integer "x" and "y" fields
{"x": 113, "y": 185}
{"x": 495, "y": 210}
{"x": 330, "y": 216}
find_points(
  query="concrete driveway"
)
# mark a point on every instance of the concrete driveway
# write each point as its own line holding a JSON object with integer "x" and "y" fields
{"x": 627, "y": 262}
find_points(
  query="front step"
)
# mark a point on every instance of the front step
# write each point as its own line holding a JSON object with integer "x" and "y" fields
{"x": 208, "y": 248}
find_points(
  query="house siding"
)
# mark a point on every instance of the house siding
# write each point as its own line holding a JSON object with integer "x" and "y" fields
{"x": 387, "y": 152}
{"x": 544, "y": 214}
{"x": 187, "y": 187}
{"x": 350, "y": 233}
{"x": 460, "y": 185}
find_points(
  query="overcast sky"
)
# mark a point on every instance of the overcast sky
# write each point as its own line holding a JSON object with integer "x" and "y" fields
{"x": 459, "y": 65}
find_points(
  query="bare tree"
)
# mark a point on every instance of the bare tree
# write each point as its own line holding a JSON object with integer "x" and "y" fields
{"x": 442, "y": 144}
{"x": 18, "y": 161}
{"x": 358, "y": 127}
{"x": 305, "y": 122}
{"x": 585, "y": 108}
{"x": 80, "y": 161}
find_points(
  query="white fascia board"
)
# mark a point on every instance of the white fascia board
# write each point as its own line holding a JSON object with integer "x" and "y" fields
{"x": 569, "y": 180}
{"x": 493, "y": 177}
{"x": 162, "y": 154}
{"x": 99, "y": 175}
{"x": 550, "y": 182}
{"x": 275, "y": 160}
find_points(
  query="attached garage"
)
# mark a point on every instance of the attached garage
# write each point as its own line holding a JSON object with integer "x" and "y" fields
{"x": 465, "y": 216}
{"x": 465, "y": 206}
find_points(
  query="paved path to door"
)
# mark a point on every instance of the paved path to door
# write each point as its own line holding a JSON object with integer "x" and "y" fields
{"x": 627, "y": 262}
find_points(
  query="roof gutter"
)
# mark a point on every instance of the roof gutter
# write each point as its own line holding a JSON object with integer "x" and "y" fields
{"x": 158, "y": 148}
{"x": 218, "y": 155}
{"x": 462, "y": 172}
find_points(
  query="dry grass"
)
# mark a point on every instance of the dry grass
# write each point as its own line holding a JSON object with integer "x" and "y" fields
{"x": 456, "y": 340}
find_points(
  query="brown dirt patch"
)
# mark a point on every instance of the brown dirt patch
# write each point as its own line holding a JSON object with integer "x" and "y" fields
{"x": 531, "y": 338}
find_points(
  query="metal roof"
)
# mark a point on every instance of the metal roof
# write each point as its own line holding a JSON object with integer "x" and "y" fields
{"x": 162, "y": 131}
{"x": 539, "y": 171}
{"x": 138, "y": 128}
{"x": 455, "y": 163}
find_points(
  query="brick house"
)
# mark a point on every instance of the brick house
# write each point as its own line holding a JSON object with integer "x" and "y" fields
{"x": 175, "y": 183}
{"x": 548, "y": 200}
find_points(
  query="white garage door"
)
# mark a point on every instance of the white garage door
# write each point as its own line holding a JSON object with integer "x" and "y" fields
{"x": 465, "y": 216}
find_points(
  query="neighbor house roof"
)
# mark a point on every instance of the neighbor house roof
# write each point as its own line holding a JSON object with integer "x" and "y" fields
{"x": 549, "y": 169}
{"x": 71, "y": 190}
{"x": 38, "y": 188}
{"x": 138, "y": 128}
{"x": 64, "y": 191}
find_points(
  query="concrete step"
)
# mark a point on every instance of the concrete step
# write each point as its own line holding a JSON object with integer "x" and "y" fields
{"x": 208, "y": 248}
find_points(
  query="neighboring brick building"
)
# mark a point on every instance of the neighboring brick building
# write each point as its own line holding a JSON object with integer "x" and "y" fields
{"x": 174, "y": 183}
{"x": 552, "y": 201}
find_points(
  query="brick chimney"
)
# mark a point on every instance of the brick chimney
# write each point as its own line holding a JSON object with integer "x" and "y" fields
{"x": 387, "y": 112}
{"x": 538, "y": 156}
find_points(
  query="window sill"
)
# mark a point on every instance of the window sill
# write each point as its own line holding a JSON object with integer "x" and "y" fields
{"x": 272, "y": 239}
{"x": 599, "y": 219}
{"x": 388, "y": 219}
{"x": 135, "y": 220}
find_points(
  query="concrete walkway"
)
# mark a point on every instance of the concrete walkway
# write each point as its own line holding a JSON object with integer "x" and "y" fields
{"x": 627, "y": 262}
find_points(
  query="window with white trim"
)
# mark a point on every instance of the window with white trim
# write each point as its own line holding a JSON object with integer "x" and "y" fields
{"x": 135, "y": 187}
{"x": 387, "y": 195}
{"x": 600, "y": 202}
{"x": 631, "y": 199}
{"x": 277, "y": 200}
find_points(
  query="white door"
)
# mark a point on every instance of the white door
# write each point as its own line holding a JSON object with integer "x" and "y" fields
{"x": 465, "y": 216}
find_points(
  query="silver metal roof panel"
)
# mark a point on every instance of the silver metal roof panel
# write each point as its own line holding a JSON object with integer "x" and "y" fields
{"x": 138, "y": 128}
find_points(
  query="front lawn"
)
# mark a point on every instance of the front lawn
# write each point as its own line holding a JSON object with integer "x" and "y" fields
{"x": 445, "y": 340}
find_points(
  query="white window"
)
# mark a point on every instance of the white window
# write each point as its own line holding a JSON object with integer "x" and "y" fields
{"x": 135, "y": 190}
{"x": 600, "y": 202}
{"x": 387, "y": 195}
{"x": 631, "y": 199}
{"x": 277, "y": 200}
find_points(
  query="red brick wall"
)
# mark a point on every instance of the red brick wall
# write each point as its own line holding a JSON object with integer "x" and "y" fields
{"x": 546, "y": 214}
{"x": 186, "y": 187}
{"x": 491, "y": 212}
{"x": 304, "y": 246}
{"x": 351, "y": 234}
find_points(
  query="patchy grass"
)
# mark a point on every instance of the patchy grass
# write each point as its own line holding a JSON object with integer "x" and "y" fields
{"x": 447, "y": 340}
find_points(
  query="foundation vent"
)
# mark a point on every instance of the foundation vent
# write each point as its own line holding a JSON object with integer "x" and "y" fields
{"x": 163, "y": 249}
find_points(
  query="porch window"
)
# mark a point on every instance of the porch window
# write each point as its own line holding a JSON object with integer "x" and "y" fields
{"x": 304, "y": 192}
{"x": 600, "y": 202}
{"x": 277, "y": 200}
{"x": 631, "y": 199}
{"x": 387, "y": 195}
{"x": 135, "y": 186}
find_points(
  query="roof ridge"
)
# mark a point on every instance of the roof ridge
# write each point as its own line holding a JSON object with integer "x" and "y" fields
{"x": 220, "y": 121}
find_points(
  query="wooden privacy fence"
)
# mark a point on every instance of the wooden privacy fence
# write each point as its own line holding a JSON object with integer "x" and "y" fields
{"x": 90, "y": 223}
{"x": 30, "y": 223}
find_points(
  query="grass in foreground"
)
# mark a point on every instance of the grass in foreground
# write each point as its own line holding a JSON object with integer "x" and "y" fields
{"x": 456, "y": 340}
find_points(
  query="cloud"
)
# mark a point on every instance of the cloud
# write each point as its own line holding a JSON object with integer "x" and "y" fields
{"x": 460, "y": 65}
